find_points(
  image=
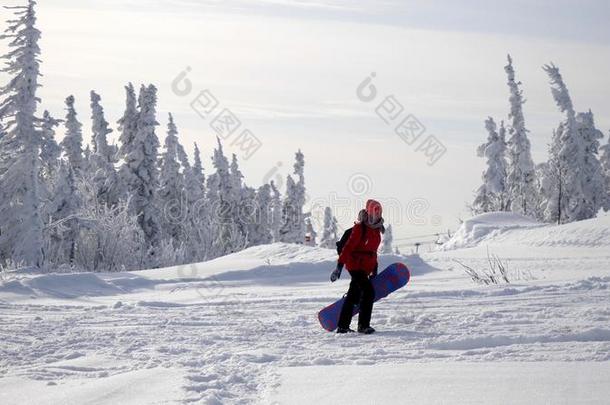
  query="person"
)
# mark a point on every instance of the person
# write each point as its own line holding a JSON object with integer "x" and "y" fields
{"x": 359, "y": 255}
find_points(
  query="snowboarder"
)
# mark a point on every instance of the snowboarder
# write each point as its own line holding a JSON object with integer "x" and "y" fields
{"x": 359, "y": 255}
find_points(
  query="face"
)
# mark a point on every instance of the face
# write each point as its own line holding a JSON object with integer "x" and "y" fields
{"x": 374, "y": 217}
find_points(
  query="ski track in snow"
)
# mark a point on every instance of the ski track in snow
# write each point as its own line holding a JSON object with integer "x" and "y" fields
{"x": 230, "y": 344}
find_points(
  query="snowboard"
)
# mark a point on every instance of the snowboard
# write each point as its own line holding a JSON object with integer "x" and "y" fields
{"x": 392, "y": 278}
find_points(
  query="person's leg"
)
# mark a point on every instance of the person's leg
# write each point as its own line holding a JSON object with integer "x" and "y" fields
{"x": 366, "y": 303}
{"x": 352, "y": 298}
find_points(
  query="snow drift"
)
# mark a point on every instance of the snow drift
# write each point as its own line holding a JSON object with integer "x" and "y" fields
{"x": 513, "y": 229}
{"x": 279, "y": 264}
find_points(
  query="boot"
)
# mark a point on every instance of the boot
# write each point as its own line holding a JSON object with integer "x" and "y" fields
{"x": 366, "y": 330}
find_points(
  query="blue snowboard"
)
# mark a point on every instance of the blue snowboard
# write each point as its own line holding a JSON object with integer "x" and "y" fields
{"x": 392, "y": 278}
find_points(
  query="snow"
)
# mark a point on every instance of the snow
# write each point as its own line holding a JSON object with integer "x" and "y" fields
{"x": 504, "y": 228}
{"x": 473, "y": 231}
{"x": 439, "y": 382}
{"x": 146, "y": 386}
{"x": 242, "y": 328}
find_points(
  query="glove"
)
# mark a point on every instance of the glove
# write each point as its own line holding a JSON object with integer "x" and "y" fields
{"x": 336, "y": 274}
{"x": 374, "y": 273}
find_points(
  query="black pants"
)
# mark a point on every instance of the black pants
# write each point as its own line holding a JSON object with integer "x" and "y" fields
{"x": 360, "y": 292}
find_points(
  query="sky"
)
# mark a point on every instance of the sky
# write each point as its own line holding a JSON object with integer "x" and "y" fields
{"x": 293, "y": 73}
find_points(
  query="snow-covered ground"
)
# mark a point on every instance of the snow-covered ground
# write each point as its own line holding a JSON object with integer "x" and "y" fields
{"x": 243, "y": 328}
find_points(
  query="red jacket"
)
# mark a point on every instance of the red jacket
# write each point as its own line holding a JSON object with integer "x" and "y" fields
{"x": 360, "y": 252}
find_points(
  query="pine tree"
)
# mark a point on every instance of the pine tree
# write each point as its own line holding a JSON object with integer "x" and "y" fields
{"x": 546, "y": 183}
{"x": 388, "y": 239}
{"x": 50, "y": 152}
{"x": 262, "y": 231}
{"x": 329, "y": 234}
{"x": 276, "y": 208}
{"x": 565, "y": 200}
{"x": 72, "y": 143}
{"x": 194, "y": 179}
{"x": 62, "y": 208}
{"x": 198, "y": 228}
{"x": 241, "y": 201}
{"x": 293, "y": 224}
{"x": 103, "y": 158}
{"x": 87, "y": 158}
{"x": 605, "y": 164}
{"x": 139, "y": 170}
{"x": 100, "y": 129}
{"x": 171, "y": 187}
{"x": 593, "y": 182}
{"x": 221, "y": 198}
{"x": 198, "y": 167}
{"x": 491, "y": 195}
{"x": 501, "y": 171}
{"x": 21, "y": 238}
{"x": 520, "y": 172}
{"x": 49, "y": 149}
{"x": 128, "y": 124}
{"x": 299, "y": 171}
{"x": 291, "y": 217}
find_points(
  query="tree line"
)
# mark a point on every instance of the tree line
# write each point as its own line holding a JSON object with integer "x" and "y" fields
{"x": 132, "y": 205}
{"x": 572, "y": 185}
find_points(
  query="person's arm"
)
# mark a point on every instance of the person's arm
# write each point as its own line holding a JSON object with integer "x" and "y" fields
{"x": 336, "y": 274}
{"x": 374, "y": 273}
{"x": 351, "y": 243}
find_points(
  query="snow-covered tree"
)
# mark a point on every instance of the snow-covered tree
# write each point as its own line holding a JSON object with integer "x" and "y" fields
{"x": 293, "y": 224}
{"x": 491, "y": 196}
{"x": 87, "y": 157}
{"x": 593, "y": 182}
{"x": 139, "y": 171}
{"x": 49, "y": 149}
{"x": 245, "y": 214}
{"x": 63, "y": 227}
{"x": 105, "y": 177}
{"x": 21, "y": 238}
{"x": 565, "y": 199}
{"x": 128, "y": 123}
{"x": 388, "y": 239}
{"x": 72, "y": 143}
{"x": 299, "y": 171}
{"x": 110, "y": 238}
{"x": 171, "y": 186}
{"x": 546, "y": 183}
{"x": 275, "y": 208}
{"x": 198, "y": 167}
{"x": 605, "y": 163}
{"x": 520, "y": 180}
{"x": 260, "y": 231}
{"x": 198, "y": 229}
{"x": 329, "y": 233}
{"x": 221, "y": 200}
{"x": 100, "y": 129}
{"x": 242, "y": 200}
{"x": 291, "y": 216}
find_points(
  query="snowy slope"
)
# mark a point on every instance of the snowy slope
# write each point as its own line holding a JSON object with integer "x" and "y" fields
{"x": 277, "y": 264}
{"x": 243, "y": 328}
